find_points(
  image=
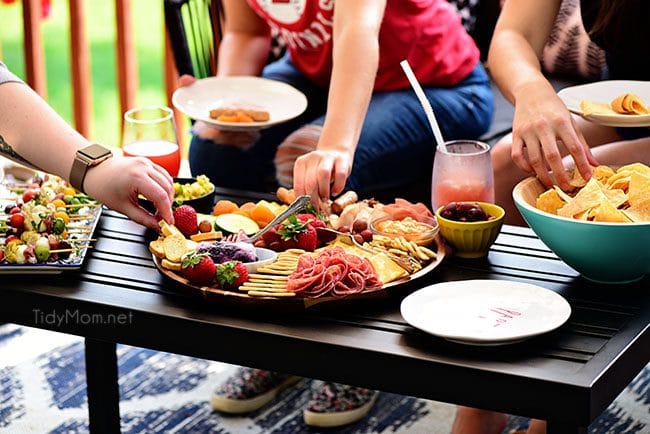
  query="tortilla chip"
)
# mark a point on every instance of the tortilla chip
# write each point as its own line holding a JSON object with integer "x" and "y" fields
{"x": 629, "y": 103}
{"x": 550, "y": 201}
{"x": 639, "y": 189}
{"x": 624, "y": 175}
{"x": 577, "y": 180}
{"x": 603, "y": 173}
{"x": 606, "y": 212}
{"x": 565, "y": 197}
{"x": 635, "y": 167}
{"x": 589, "y": 196}
{"x": 595, "y": 108}
{"x": 616, "y": 196}
{"x": 609, "y": 196}
{"x": 639, "y": 212}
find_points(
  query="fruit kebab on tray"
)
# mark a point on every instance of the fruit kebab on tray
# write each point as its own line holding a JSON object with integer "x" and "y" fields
{"x": 285, "y": 249}
{"x": 43, "y": 220}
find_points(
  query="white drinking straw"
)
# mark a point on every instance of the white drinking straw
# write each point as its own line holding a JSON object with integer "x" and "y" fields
{"x": 423, "y": 101}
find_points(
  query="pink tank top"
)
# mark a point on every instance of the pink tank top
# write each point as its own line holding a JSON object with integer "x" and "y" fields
{"x": 428, "y": 33}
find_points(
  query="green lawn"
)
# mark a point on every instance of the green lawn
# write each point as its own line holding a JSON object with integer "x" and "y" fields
{"x": 100, "y": 26}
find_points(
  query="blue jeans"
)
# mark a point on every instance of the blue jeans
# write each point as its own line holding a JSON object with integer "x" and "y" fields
{"x": 396, "y": 146}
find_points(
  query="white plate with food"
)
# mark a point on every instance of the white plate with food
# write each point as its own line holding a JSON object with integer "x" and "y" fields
{"x": 240, "y": 103}
{"x": 485, "y": 312}
{"x": 601, "y": 94}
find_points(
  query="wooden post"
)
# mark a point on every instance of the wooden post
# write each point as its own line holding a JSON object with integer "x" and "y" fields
{"x": 80, "y": 68}
{"x": 33, "y": 47}
{"x": 127, "y": 67}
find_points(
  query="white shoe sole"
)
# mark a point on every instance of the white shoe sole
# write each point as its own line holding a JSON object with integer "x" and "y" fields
{"x": 331, "y": 420}
{"x": 240, "y": 406}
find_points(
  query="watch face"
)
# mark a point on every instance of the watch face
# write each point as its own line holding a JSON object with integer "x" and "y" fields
{"x": 95, "y": 151}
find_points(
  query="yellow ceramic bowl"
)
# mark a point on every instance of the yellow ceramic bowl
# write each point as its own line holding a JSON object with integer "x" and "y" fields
{"x": 472, "y": 239}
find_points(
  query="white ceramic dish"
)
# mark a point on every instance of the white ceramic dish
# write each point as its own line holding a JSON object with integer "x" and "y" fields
{"x": 264, "y": 257}
{"x": 605, "y": 92}
{"x": 485, "y": 312}
{"x": 282, "y": 101}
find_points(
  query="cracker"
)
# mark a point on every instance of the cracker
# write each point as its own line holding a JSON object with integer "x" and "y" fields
{"x": 263, "y": 288}
{"x": 266, "y": 276}
{"x": 174, "y": 266}
{"x": 278, "y": 272}
{"x": 271, "y": 294}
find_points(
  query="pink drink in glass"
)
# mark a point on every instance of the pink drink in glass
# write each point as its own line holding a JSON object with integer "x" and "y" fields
{"x": 462, "y": 171}
{"x": 163, "y": 153}
{"x": 149, "y": 132}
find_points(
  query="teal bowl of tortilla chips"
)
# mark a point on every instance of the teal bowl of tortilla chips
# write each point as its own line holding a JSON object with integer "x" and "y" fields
{"x": 612, "y": 252}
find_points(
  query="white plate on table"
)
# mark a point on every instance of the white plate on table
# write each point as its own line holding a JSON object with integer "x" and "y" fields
{"x": 282, "y": 101}
{"x": 485, "y": 312}
{"x": 605, "y": 92}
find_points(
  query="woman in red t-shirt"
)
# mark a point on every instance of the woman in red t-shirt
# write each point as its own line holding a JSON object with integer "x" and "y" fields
{"x": 370, "y": 132}
{"x": 364, "y": 128}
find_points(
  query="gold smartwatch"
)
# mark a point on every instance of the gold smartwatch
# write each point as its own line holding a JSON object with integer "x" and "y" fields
{"x": 85, "y": 159}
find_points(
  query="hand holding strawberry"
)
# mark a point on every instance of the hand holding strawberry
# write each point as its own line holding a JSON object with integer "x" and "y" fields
{"x": 185, "y": 220}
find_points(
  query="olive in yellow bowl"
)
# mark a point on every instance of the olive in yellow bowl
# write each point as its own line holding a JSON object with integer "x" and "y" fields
{"x": 470, "y": 227}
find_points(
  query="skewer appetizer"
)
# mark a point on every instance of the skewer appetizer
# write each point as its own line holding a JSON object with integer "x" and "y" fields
{"x": 44, "y": 220}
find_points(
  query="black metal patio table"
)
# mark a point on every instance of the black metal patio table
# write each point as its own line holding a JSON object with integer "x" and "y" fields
{"x": 567, "y": 377}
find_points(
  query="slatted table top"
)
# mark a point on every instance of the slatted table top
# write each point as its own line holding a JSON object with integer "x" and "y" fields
{"x": 569, "y": 375}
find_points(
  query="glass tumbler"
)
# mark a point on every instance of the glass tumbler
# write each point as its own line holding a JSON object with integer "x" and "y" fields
{"x": 462, "y": 171}
{"x": 149, "y": 132}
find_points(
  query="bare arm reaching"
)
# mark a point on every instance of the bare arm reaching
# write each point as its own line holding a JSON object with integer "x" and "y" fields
{"x": 324, "y": 171}
{"x": 34, "y": 134}
{"x": 541, "y": 123}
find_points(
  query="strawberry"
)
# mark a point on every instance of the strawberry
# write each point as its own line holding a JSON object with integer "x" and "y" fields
{"x": 231, "y": 274}
{"x": 272, "y": 235}
{"x": 324, "y": 237}
{"x": 185, "y": 220}
{"x": 198, "y": 268}
{"x": 297, "y": 234}
{"x": 308, "y": 240}
{"x": 312, "y": 219}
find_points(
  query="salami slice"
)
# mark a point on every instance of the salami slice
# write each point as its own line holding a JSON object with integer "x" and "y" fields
{"x": 333, "y": 272}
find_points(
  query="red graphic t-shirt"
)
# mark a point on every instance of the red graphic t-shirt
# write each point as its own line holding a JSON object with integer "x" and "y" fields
{"x": 428, "y": 33}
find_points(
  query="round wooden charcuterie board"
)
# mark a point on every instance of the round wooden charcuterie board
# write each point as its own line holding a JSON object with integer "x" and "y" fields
{"x": 243, "y": 300}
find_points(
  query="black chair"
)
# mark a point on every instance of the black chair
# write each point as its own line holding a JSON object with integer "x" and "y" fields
{"x": 194, "y": 28}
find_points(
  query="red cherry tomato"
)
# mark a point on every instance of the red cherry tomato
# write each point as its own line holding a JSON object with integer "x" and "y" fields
{"x": 17, "y": 221}
{"x": 30, "y": 194}
{"x": 2, "y": 255}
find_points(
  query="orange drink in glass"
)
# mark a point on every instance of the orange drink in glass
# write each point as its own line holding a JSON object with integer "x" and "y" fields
{"x": 462, "y": 171}
{"x": 149, "y": 132}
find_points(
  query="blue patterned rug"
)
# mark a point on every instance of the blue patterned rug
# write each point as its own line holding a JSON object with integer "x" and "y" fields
{"x": 43, "y": 390}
